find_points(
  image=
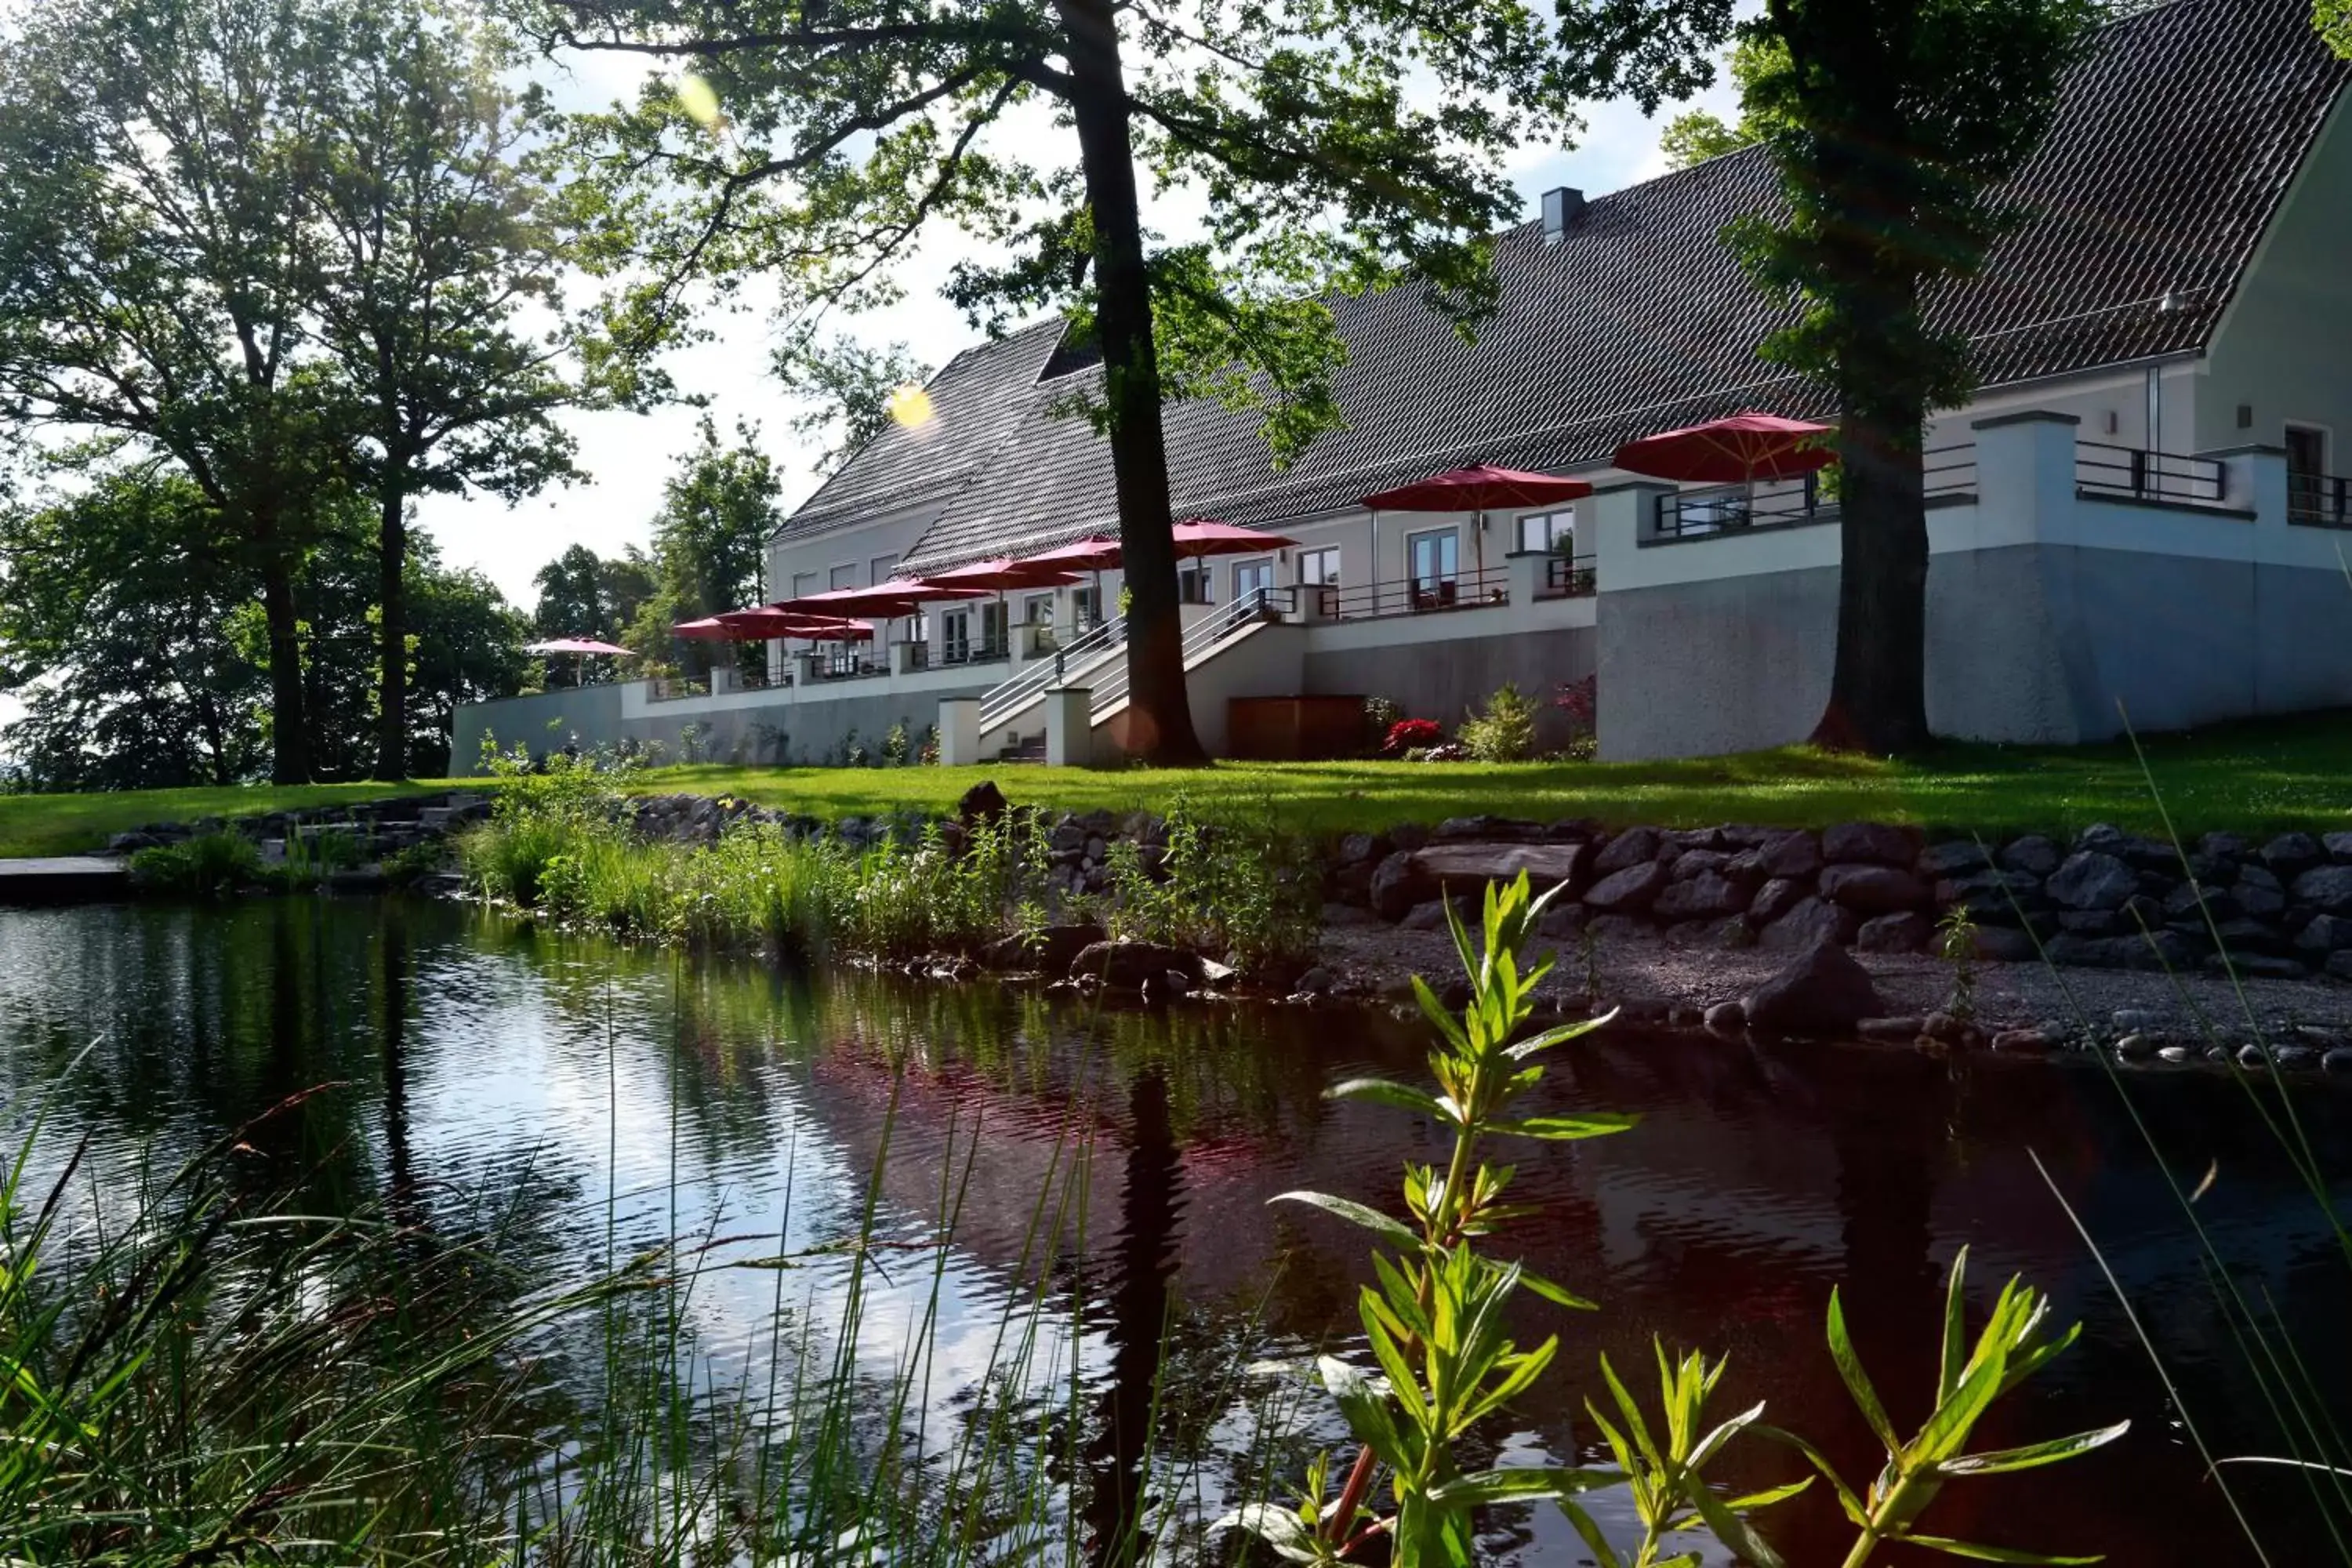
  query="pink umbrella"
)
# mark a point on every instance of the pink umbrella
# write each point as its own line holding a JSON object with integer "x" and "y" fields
{"x": 1001, "y": 572}
{"x": 583, "y": 647}
{"x": 897, "y": 597}
{"x": 1748, "y": 446}
{"x": 1480, "y": 488}
{"x": 767, "y": 622}
{"x": 1096, "y": 553}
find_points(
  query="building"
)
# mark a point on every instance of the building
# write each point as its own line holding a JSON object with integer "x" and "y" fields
{"x": 2141, "y": 508}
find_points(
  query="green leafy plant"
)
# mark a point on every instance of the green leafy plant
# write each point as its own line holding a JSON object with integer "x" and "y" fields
{"x": 1956, "y": 943}
{"x": 1506, "y": 731}
{"x": 207, "y": 866}
{"x": 2015, "y": 1343}
{"x": 897, "y": 746}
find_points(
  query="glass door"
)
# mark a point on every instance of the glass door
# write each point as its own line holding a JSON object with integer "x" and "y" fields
{"x": 1434, "y": 558}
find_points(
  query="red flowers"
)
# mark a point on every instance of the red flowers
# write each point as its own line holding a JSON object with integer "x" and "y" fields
{"x": 1412, "y": 734}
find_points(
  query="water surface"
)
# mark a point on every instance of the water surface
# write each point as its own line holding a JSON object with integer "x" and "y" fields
{"x": 632, "y": 1095}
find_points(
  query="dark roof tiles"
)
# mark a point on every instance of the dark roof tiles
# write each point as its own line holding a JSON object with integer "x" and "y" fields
{"x": 2176, "y": 139}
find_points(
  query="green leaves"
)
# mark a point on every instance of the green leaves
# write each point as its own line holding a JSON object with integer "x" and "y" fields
{"x": 1354, "y": 1213}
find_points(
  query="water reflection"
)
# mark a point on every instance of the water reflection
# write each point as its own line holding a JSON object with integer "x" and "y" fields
{"x": 580, "y": 1102}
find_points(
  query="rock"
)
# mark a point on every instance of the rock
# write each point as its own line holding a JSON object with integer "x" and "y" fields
{"x": 1562, "y": 922}
{"x": 2224, "y": 846}
{"x": 2325, "y": 933}
{"x": 1627, "y": 891}
{"x": 1953, "y": 856}
{"x": 2165, "y": 950}
{"x": 2252, "y": 1058}
{"x": 1213, "y": 973}
{"x": 1869, "y": 842}
{"x": 1940, "y": 1026}
{"x": 1176, "y": 982}
{"x": 1408, "y": 835}
{"x": 131, "y": 843}
{"x": 1430, "y": 916}
{"x": 2291, "y": 853}
{"x": 2295, "y": 1058}
{"x": 1357, "y": 849}
{"x": 2094, "y": 922}
{"x": 1053, "y": 948}
{"x": 1467, "y": 867}
{"x": 1348, "y": 915}
{"x": 2339, "y": 964}
{"x": 1797, "y": 855}
{"x": 2033, "y": 854}
{"x": 1695, "y": 862}
{"x": 1872, "y": 890}
{"x": 2256, "y": 966}
{"x": 1775, "y": 898}
{"x": 2092, "y": 879}
{"x": 2337, "y": 1060}
{"x": 2328, "y": 888}
{"x": 2133, "y": 1020}
{"x": 1634, "y": 846}
{"x": 2194, "y": 901}
{"x": 1726, "y": 1018}
{"x": 2175, "y": 1054}
{"x": 1317, "y": 980}
{"x": 2338, "y": 846}
{"x": 2015, "y": 1042}
{"x": 1807, "y": 921}
{"x": 2258, "y": 894}
{"x": 2134, "y": 1047}
{"x": 1824, "y": 992}
{"x": 2006, "y": 944}
{"x": 1897, "y": 1028}
{"x": 1907, "y": 932}
{"x": 1698, "y": 898}
{"x": 1126, "y": 965}
{"x": 1399, "y": 884}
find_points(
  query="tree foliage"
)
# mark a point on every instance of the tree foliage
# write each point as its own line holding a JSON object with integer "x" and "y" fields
{"x": 711, "y": 539}
{"x": 1696, "y": 134}
{"x": 1335, "y": 144}
{"x": 846, "y": 389}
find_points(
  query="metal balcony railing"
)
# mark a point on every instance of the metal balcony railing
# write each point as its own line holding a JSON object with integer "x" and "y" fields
{"x": 2133, "y": 473}
{"x": 2319, "y": 500}
{"x": 1257, "y": 605}
{"x": 1421, "y": 597}
{"x": 1007, "y": 698}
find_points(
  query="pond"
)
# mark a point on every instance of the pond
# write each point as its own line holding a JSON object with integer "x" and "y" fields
{"x": 637, "y": 1095}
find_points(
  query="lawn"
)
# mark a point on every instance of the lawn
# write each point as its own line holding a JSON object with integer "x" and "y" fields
{"x": 77, "y": 824}
{"x": 2253, "y": 777}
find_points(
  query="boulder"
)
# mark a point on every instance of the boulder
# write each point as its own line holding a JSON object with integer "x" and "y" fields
{"x": 1872, "y": 890}
{"x": 2339, "y": 964}
{"x": 1357, "y": 849}
{"x": 2337, "y": 1060}
{"x": 1953, "y": 856}
{"x": 1704, "y": 896}
{"x": 1126, "y": 965}
{"x": 1824, "y": 992}
{"x": 984, "y": 802}
{"x": 1630, "y": 890}
{"x": 1907, "y": 932}
{"x": 1692, "y": 862}
{"x": 2291, "y": 853}
{"x": 2260, "y": 895}
{"x": 1775, "y": 898}
{"x": 1634, "y": 846}
{"x": 1726, "y": 1018}
{"x": 1430, "y": 916}
{"x": 1810, "y": 921}
{"x": 2328, "y": 888}
{"x": 2325, "y": 933}
{"x": 1562, "y": 922}
{"x": 2092, "y": 879}
{"x": 1873, "y": 843}
{"x": 2338, "y": 846}
{"x": 1469, "y": 866}
{"x": 1794, "y": 854}
{"x": 1510, "y": 828}
{"x": 1398, "y": 884}
{"x": 2033, "y": 854}
{"x": 2006, "y": 944}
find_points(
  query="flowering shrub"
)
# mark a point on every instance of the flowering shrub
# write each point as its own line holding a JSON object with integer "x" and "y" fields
{"x": 1579, "y": 700}
{"x": 1407, "y": 734}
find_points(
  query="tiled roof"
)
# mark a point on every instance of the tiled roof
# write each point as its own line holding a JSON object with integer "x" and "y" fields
{"x": 2174, "y": 144}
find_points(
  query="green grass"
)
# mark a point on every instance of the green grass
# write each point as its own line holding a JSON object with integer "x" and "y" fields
{"x": 2253, "y": 777}
{"x": 77, "y": 824}
{"x": 2258, "y": 776}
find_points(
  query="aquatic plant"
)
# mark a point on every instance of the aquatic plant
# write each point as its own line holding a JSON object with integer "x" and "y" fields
{"x": 1435, "y": 1323}
{"x": 207, "y": 866}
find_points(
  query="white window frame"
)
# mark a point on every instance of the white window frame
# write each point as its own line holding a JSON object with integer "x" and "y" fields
{"x": 1436, "y": 587}
{"x": 834, "y": 572}
{"x": 881, "y": 569}
{"x": 1262, "y": 565}
{"x": 1318, "y": 554}
{"x": 1559, "y": 522}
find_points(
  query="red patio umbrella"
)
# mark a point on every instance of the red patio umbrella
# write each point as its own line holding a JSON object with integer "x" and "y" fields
{"x": 1480, "y": 488}
{"x": 899, "y": 596}
{"x": 582, "y": 646}
{"x": 767, "y": 622}
{"x": 1201, "y": 536}
{"x": 1096, "y": 553}
{"x": 1740, "y": 449}
{"x": 1001, "y": 572}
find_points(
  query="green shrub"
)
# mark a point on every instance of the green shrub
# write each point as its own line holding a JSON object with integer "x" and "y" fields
{"x": 206, "y": 867}
{"x": 1506, "y": 732}
{"x": 1238, "y": 883}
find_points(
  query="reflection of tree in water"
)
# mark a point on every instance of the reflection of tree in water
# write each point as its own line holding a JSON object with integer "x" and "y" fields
{"x": 1137, "y": 1296}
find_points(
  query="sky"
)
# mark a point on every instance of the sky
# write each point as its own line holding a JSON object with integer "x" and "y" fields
{"x": 627, "y": 457}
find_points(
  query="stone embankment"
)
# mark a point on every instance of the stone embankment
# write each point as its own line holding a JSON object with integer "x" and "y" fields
{"x": 2279, "y": 908}
{"x": 379, "y": 828}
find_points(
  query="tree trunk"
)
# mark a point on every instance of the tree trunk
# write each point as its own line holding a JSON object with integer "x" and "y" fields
{"x": 1878, "y": 700}
{"x": 391, "y": 697}
{"x": 1159, "y": 708}
{"x": 290, "y": 725}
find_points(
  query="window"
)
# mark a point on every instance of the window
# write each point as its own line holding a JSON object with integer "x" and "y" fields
{"x": 1432, "y": 559}
{"x": 804, "y": 585}
{"x": 1191, "y": 583}
{"x": 883, "y": 569}
{"x": 1086, "y": 604}
{"x": 1551, "y": 532}
{"x": 991, "y": 629}
{"x": 1253, "y": 580}
{"x": 955, "y": 635}
{"x": 1037, "y": 610}
{"x": 1320, "y": 568}
{"x": 2307, "y": 473}
{"x": 845, "y": 576}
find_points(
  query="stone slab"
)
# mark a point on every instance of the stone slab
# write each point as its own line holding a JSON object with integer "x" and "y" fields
{"x": 63, "y": 879}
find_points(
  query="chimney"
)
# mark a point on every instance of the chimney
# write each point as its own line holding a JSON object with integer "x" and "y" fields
{"x": 1561, "y": 205}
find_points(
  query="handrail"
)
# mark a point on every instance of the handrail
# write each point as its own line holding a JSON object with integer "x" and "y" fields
{"x": 2319, "y": 500}
{"x": 1259, "y": 605}
{"x": 2101, "y": 469}
{"x": 1008, "y": 697}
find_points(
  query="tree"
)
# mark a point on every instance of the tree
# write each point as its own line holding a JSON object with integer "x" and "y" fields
{"x": 1895, "y": 127}
{"x": 709, "y": 540}
{"x": 112, "y": 632}
{"x": 444, "y": 240}
{"x": 1696, "y": 135}
{"x": 847, "y": 389}
{"x": 2334, "y": 20}
{"x": 582, "y": 596}
{"x": 822, "y": 139}
{"x": 155, "y": 266}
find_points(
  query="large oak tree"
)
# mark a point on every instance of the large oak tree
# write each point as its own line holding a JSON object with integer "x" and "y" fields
{"x": 1336, "y": 143}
